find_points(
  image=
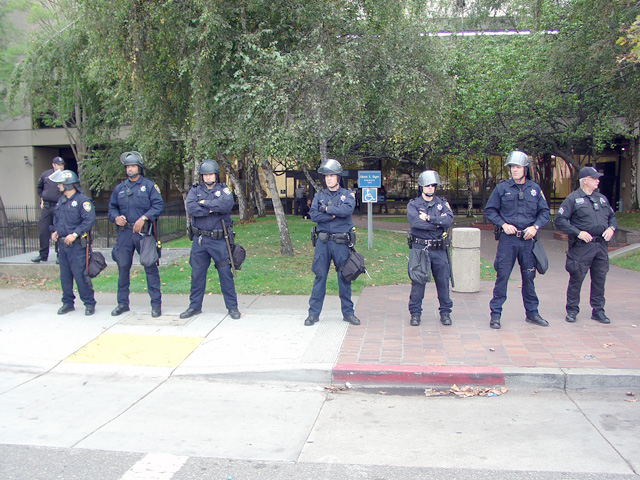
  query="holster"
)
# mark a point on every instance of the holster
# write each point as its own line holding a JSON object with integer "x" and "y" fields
{"x": 314, "y": 236}
{"x": 497, "y": 231}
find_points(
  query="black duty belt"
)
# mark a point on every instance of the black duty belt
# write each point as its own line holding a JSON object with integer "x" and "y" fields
{"x": 334, "y": 237}
{"x": 215, "y": 234}
{"x": 435, "y": 243}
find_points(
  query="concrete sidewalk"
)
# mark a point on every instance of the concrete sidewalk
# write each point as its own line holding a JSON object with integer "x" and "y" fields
{"x": 270, "y": 341}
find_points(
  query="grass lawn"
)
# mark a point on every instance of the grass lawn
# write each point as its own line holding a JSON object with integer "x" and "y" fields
{"x": 265, "y": 271}
{"x": 631, "y": 262}
{"x": 630, "y": 219}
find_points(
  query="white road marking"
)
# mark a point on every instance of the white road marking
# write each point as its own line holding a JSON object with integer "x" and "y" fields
{"x": 155, "y": 466}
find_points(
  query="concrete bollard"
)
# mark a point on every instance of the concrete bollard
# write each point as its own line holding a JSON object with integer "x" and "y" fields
{"x": 465, "y": 259}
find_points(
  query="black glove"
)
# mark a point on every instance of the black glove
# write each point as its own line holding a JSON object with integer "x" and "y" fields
{"x": 322, "y": 209}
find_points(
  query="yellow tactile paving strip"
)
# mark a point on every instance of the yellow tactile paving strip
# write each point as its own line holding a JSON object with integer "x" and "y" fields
{"x": 142, "y": 350}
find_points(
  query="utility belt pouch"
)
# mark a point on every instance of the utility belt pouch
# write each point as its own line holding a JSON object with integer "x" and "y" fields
{"x": 497, "y": 231}
{"x": 323, "y": 236}
{"x": 83, "y": 241}
{"x": 314, "y": 236}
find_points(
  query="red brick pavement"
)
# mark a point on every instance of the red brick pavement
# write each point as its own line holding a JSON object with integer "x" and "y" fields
{"x": 385, "y": 337}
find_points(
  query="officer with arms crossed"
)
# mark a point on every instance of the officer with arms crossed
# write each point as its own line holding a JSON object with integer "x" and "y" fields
{"x": 209, "y": 204}
{"x": 134, "y": 205}
{"x": 518, "y": 207}
{"x": 73, "y": 218}
{"x": 430, "y": 217}
{"x": 49, "y": 195}
{"x": 587, "y": 217}
{"x": 331, "y": 210}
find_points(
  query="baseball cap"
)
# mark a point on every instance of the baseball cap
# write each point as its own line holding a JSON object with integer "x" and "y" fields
{"x": 58, "y": 160}
{"x": 589, "y": 172}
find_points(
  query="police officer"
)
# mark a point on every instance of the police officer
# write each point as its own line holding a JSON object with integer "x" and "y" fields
{"x": 429, "y": 218}
{"x": 587, "y": 217}
{"x": 331, "y": 210}
{"x": 73, "y": 218}
{"x": 134, "y": 204}
{"x": 209, "y": 204}
{"x": 49, "y": 195}
{"x": 518, "y": 208}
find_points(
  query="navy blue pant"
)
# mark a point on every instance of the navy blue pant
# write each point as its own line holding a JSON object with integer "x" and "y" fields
{"x": 440, "y": 272}
{"x": 44, "y": 232}
{"x": 203, "y": 249}
{"x": 323, "y": 254}
{"x": 510, "y": 249}
{"x": 126, "y": 243}
{"x": 72, "y": 265}
{"x": 582, "y": 258}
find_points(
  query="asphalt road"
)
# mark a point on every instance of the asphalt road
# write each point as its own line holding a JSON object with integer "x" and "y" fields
{"x": 192, "y": 428}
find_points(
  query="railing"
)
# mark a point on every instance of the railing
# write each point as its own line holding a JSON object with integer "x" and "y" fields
{"x": 20, "y": 233}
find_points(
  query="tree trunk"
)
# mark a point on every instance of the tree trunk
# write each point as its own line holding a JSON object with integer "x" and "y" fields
{"x": 633, "y": 177}
{"x": 257, "y": 192}
{"x": 286, "y": 247}
{"x": 4, "y": 221}
{"x": 323, "y": 150}
{"x": 237, "y": 187}
{"x": 310, "y": 179}
{"x": 469, "y": 191}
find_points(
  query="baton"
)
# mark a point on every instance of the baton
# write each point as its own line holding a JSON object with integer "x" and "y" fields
{"x": 226, "y": 240}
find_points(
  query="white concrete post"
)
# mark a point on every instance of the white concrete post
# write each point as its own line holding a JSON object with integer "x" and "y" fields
{"x": 465, "y": 259}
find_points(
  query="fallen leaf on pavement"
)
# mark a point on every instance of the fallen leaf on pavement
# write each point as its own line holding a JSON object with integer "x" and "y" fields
{"x": 631, "y": 394}
{"x": 467, "y": 391}
{"x": 607, "y": 345}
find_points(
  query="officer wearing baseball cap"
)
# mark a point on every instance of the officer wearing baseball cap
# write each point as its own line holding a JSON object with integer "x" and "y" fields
{"x": 49, "y": 195}
{"x": 587, "y": 217}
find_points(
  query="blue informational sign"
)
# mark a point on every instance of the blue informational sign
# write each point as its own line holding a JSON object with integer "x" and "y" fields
{"x": 369, "y": 195}
{"x": 369, "y": 178}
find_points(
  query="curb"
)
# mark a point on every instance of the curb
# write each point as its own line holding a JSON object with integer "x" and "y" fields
{"x": 438, "y": 376}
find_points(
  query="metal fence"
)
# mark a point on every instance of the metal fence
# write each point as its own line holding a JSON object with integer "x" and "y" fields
{"x": 20, "y": 233}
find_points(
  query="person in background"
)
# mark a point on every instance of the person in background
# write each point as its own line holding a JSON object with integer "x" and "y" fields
{"x": 49, "y": 195}
{"x": 299, "y": 198}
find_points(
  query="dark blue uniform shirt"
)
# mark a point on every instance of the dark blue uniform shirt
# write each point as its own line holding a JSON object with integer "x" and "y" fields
{"x": 519, "y": 205}
{"x": 135, "y": 199}
{"x": 73, "y": 215}
{"x": 218, "y": 202}
{"x": 339, "y": 203}
{"x": 578, "y": 213}
{"x": 440, "y": 217}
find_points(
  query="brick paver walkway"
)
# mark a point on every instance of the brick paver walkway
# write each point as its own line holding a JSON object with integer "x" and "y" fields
{"x": 385, "y": 337}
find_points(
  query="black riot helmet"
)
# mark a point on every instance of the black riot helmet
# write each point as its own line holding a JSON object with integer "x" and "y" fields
{"x": 209, "y": 167}
{"x": 330, "y": 167}
{"x": 132, "y": 158}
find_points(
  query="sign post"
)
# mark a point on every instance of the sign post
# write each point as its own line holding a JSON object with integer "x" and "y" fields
{"x": 369, "y": 181}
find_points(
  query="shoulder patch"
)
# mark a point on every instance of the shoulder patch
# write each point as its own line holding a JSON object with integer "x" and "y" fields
{"x": 447, "y": 205}
{"x": 561, "y": 211}
{"x": 155, "y": 185}
{"x": 86, "y": 206}
{"x": 226, "y": 191}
